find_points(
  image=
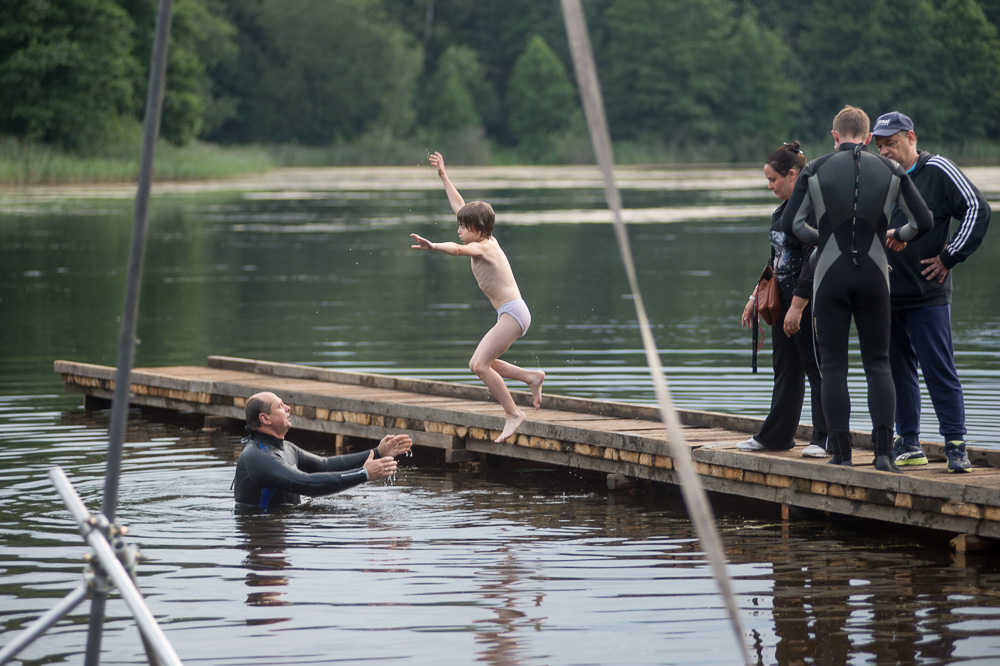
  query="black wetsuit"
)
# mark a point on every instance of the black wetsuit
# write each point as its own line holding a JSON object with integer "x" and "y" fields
{"x": 851, "y": 192}
{"x": 271, "y": 472}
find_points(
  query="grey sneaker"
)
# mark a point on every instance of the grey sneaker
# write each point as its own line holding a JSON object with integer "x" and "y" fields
{"x": 815, "y": 451}
{"x": 751, "y": 445}
{"x": 958, "y": 461}
{"x": 904, "y": 454}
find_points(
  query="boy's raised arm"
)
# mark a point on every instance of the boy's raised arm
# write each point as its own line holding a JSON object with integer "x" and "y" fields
{"x": 454, "y": 198}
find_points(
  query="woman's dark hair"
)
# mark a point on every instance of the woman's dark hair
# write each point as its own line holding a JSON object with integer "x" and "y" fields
{"x": 786, "y": 158}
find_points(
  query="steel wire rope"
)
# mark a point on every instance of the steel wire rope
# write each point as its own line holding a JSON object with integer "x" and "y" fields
{"x": 695, "y": 497}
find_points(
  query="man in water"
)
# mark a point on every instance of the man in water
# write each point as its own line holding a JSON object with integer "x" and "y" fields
{"x": 920, "y": 281}
{"x": 271, "y": 472}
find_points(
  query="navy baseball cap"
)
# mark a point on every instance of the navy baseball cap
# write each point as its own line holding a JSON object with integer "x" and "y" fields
{"x": 891, "y": 123}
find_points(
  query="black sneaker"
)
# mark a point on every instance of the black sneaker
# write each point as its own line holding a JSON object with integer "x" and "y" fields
{"x": 958, "y": 461}
{"x": 904, "y": 454}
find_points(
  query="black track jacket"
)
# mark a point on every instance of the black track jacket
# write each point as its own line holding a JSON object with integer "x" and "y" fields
{"x": 948, "y": 194}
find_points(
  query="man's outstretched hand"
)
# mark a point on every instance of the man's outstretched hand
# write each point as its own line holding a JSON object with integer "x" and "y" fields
{"x": 381, "y": 468}
{"x": 394, "y": 445}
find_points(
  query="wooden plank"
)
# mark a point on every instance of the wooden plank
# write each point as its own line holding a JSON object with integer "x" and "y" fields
{"x": 614, "y": 438}
{"x": 561, "y": 403}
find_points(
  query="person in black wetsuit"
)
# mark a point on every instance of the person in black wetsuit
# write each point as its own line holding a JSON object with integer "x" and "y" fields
{"x": 851, "y": 192}
{"x": 271, "y": 472}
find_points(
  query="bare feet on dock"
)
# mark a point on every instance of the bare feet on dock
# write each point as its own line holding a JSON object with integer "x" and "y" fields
{"x": 538, "y": 376}
{"x": 511, "y": 426}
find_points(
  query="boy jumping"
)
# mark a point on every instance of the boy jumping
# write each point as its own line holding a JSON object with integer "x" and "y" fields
{"x": 492, "y": 271}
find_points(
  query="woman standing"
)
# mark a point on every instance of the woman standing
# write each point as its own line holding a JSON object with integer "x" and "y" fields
{"x": 793, "y": 357}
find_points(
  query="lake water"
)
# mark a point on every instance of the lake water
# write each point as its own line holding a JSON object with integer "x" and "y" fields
{"x": 513, "y": 566}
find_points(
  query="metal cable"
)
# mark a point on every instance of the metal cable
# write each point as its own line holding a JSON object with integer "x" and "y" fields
{"x": 694, "y": 494}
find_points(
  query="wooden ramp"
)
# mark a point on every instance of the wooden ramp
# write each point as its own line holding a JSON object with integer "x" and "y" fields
{"x": 612, "y": 437}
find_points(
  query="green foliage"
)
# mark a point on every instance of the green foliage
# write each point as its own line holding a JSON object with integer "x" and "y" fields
{"x": 457, "y": 94}
{"x": 200, "y": 38}
{"x": 935, "y": 60}
{"x": 666, "y": 74}
{"x": 681, "y": 78}
{"x": 760, "y": 96}
{"x": 542, "y": 103}
{"x": 874, "y": 71}
{"x": 25, "y": 163}
{"x": 65, "y": 70}
{"x": 325, "y": 71}
{"x": 971, "y": 59}
{"x": 455, "y": 107}
{"x": 693, "y": 71}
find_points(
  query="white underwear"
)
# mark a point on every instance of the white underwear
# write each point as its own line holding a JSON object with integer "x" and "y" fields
{"x": 517, "y": 309}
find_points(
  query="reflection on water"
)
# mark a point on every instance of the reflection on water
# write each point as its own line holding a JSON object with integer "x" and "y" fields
{"x": 519, "y": 566}
{"x": 333, "y": 271}
{"x": 265, "y": 562}
{"x": 522, "y": 566}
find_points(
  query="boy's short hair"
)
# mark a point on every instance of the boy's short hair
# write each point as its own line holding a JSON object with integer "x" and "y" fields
{"x": 477, "y": 216}
{"x": 851, "y": 121}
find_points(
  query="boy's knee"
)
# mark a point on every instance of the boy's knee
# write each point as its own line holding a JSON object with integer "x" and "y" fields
{"x": 479, "y": 367}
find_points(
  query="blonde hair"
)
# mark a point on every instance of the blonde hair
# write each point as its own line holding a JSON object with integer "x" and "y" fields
{"x": 851, "y": 121}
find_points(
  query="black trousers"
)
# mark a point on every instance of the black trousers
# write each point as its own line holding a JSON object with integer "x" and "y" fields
{"x": 794, "y": 359}
{"x": 860, "y": 292}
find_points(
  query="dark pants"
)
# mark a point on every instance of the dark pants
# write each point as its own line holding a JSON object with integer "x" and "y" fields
{"x": 859, "y": 292}
{"x": 793, "y": 359}
{"x": 923, "y": 335}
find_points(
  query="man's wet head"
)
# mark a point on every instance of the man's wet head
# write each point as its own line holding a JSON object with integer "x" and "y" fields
{"x": 268, "y": 413}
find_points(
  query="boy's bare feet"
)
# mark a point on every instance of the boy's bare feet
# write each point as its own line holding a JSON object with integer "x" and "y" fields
{"x": 511, "y": 426}
{"x": 538, "y": 376}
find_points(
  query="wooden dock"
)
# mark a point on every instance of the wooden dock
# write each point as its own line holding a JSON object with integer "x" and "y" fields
{"x": 610, "y": 437}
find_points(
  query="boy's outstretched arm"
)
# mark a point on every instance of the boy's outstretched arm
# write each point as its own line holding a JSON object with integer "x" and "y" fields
{"x": 453, "y": 249}
{"x": 454, "y": 198}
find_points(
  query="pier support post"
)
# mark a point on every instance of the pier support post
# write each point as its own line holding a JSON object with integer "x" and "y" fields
{"x": 212, "y": 423}
{"x": 94, "y": 404}
{"x": 970, "y": 543}
{"x": 344, "y": 444}
{"x": 460, "y": 456}
{"x": 791, "y": 512}
{"x": 620, "y": 483}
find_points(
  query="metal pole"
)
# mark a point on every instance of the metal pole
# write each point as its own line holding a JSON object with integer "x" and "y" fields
{"x": 42, "y": 624}
{"x": 90, "y": 527}
{"x": 126, "y": 345}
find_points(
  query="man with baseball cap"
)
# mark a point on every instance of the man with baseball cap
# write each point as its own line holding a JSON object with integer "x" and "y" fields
{"x": 921, "y": 290}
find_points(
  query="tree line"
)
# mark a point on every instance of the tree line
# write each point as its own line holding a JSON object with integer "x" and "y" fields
{"x": 676, "y": 73}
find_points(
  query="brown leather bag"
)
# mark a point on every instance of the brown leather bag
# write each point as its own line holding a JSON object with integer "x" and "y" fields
{"x": 768, "y": 299}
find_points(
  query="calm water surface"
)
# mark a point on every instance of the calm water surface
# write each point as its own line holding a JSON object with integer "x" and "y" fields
{"x": 526, "y": 566}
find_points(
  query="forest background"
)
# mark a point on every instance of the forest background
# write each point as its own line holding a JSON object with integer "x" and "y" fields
{"x": 254, "y": 84}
